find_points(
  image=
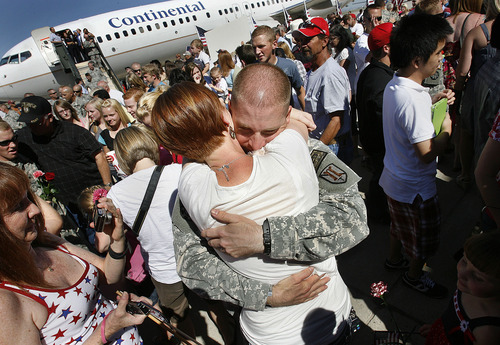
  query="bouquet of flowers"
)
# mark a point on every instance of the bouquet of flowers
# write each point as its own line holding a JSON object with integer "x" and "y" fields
{"x": 43, "y": 180}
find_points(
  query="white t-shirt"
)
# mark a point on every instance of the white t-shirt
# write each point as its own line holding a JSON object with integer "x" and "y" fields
{"x": 202, "y": 59}
{"x": 115, "y": 94}
{"x": 222, "y": 84}
{"x": 361, "y": 50}
{"x": 282, "y": 182}
{"x": 357, "y": 29}
{"x": 347, "y": 54}
{"x": 156, "y": 237}
{"x": 327, "y": 91}
{"x": 407, "y": 121}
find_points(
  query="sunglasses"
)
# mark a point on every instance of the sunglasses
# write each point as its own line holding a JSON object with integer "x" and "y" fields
{"x": 370, "y": 18}
{"x": 53, "y": 93}
{"x": 309, "y": 24}
{"x": 136, "y": 70}
{"x": 7, "y": 142}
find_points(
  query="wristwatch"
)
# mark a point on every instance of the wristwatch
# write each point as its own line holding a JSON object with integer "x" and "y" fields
{"x": 266, "y": 234}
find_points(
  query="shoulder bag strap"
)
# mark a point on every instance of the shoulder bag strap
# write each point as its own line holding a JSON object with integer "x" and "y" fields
{"x": 148, "y": 197}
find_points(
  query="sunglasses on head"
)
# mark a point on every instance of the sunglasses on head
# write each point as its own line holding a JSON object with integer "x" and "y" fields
{"x": 309, "y": 24}
{"x": 7, "y": 142}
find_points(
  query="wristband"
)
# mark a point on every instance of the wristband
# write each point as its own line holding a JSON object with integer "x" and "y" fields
{"x": 118, "y": 256}
{"x": 103, "y": 326}
{"x": 266, "y": 234}
{"x": 109, "y": 184}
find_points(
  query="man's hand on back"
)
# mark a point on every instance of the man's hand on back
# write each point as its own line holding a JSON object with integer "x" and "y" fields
{"x": 241, "y": 236}
{"x": 298, "y": 288}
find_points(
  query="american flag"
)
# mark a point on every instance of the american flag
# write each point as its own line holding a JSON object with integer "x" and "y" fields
{"x": 201, "y": 35}
{"x": 288, "y": 18}
{"x": 339, "y": 9}
{"x": 306, "y": 10}
{"x": 254, "y": 23}
{"x": 397, "y": 4}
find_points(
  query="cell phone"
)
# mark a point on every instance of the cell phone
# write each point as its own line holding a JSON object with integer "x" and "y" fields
{"x": 439, "y": 110}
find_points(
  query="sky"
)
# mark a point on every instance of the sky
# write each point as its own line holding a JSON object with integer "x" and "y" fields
{"x": 20, "y": 17}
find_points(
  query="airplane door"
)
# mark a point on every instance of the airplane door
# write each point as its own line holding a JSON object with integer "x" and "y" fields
{"x": 47, "y": 49}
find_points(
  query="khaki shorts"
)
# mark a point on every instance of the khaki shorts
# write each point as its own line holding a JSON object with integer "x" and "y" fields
{"x": 173, "y": 299}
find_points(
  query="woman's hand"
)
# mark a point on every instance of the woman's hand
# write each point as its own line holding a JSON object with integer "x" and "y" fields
{"x": 119, "y": 318}
{"x": 117, "y": 232}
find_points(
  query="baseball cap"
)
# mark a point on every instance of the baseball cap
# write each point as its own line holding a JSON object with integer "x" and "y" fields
{"x": 312, "y": 27}
{"x": 380, "y": 36}
{"x": 33, "y": 108}
{"x": 353, "y": 15}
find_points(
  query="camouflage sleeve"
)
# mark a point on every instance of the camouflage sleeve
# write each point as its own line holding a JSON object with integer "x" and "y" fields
{"x": 208, "y": 275}
{"x": 336, "y": 224}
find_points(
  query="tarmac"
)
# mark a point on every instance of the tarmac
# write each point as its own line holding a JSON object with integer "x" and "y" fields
{"x": 405, "y": 309}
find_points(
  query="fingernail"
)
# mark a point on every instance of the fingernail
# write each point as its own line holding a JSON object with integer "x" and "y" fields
{"x": 214, "y": 212}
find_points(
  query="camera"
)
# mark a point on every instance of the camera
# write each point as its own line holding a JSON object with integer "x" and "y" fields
{"x": 101, "y": 217}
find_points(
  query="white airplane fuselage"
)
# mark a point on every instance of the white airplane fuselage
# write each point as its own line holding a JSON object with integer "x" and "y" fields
{"x": 137, "y": 34}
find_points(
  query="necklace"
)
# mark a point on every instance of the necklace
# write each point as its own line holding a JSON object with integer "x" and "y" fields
{"x": 226, "y": 166}
{"x": 41, "y": 263}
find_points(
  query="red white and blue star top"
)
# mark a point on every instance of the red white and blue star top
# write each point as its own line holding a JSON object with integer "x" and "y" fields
{"x": 75, "y": 312}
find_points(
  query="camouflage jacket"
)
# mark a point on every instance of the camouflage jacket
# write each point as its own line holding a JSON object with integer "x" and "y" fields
{"x": 335, "y": 225}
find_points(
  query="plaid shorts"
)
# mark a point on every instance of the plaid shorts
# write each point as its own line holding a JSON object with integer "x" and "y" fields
{"x": 416, "y": 225}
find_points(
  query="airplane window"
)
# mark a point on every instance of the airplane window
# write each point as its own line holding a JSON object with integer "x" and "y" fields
{"x": 263, "y": 3}
{"x": 108, "y": 37}
{"x": 268, "y": 2}
{"x": 133, "y": 31}
{"x": 208, "y": 15}
{"x": 187, "y": 19}
{"x": 14, "y": 59}
{"x": 220, "y": 12}
{"x": 165, "y": 25}
{"x": 225, "y": 11}
{"x": 181, "y": 21}
{"x": 149, "y": 27}
{"x": 25, "y": 55}
{"x": 253, "y": 6}
{"x": 195, "y": 18}
{"x": 4, "y": 60}
{"x": 173, "y": 22}
{"x": 258, "y": 4}
{"x": 231, "y": 9}
{"x": 246, "y": 7}
{"x": 117, "y": 35}
{"x": 99, "y": 39}
{"x": 236, "y": 9}
{"x": 157, "y": 26}
{"x": 125, "y": 33}
{"x": 141, "y": 29}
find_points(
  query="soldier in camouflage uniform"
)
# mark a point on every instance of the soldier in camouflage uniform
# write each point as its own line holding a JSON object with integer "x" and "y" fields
{"x": 78, "y": 103}
{"x": 11, "y": 117}
{"x": 335, "y": 225}
{"x": 95, "y": 73}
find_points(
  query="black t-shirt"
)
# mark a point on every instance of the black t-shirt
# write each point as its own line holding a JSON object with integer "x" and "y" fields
{"x": 69, "y": 153}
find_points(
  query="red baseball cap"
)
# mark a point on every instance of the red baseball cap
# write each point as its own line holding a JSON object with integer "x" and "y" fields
{"x": 353, "y": 15}
{"x": 380, "y": 36}
{"x": 312, "y": 27}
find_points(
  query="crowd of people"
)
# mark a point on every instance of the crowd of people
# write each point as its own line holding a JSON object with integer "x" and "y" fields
{"x": 229, "y": 176}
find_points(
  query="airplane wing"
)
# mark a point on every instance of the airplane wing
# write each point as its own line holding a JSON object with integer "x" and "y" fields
{"x": 316, "y": 8}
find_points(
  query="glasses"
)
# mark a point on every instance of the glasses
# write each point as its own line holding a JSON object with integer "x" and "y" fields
{"x": 8, "y": 141}
{"x": 370, "y": 18}
{"x": 309, "y": 24}
{"x": 53, "y": 93}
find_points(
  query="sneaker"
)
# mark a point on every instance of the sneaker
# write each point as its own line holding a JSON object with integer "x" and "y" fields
{"x": 402, "y": 264}
{"x": 426, "y": 285}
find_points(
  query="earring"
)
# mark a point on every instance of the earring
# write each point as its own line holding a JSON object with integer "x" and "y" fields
{"x": 232, "y": 132}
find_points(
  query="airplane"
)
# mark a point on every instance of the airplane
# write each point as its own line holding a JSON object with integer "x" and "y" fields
{"x": 137, "y": 34}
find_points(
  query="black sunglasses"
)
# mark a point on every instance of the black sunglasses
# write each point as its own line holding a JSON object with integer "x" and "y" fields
{"x": 370, "y": 18}
{"x": 7, "y": 142}
{"x": 136, "y": 70}
{"x": 309, "y": 24}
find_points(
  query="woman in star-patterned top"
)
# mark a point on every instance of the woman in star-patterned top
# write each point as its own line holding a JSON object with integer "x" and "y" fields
{"x": 49, "y": 288}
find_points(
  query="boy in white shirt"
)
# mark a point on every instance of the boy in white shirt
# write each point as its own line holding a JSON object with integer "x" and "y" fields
{"x": 219, "y": 84}
{"x": 411, "y": 147}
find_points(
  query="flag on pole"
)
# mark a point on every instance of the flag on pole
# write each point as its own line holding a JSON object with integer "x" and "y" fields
{"x": 201, "y": 35}
{"x": 308, "y": 16}
{"x": 339, "y": 9}
{"x": 288, "y": 18}
{"x": 254, "y": 23}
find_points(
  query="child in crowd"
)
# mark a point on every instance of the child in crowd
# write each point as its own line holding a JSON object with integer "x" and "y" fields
{"x": 411, "y": 146}
{"x": 219, "y": 84}
{"x": 473, "y": 315}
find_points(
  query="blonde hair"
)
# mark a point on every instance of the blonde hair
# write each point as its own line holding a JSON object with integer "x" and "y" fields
{"x": 85, "y": 199}
{"x": 145, "y": 104}
{"x": 287, "y": 50}
{"x": 266, "y": 31}
{"x": 133, "y": 144}
{"x": 125, "y": 117}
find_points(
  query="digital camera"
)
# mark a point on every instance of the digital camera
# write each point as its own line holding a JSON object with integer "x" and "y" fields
{"x": 101, "y": 217}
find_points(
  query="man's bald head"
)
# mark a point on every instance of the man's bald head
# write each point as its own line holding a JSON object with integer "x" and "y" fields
{"x": 103, "y": 84}
{"x": 260, "y": 105}
{"x": 67, "y": 93}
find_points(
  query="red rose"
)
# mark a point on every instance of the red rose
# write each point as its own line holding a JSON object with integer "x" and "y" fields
{"x": 49, "y": 176}
{"x": 37, "y": 174}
